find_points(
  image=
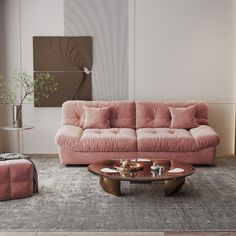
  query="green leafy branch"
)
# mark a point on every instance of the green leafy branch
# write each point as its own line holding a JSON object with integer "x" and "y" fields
{"x": 41, "y": 85}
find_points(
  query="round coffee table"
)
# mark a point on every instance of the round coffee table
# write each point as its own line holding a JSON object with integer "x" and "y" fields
{"x": 110, "y": 182}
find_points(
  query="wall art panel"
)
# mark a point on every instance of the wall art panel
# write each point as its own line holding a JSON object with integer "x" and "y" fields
{"x": 67, "y": 59}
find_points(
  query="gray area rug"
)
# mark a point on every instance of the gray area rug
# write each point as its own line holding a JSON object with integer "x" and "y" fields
{"x": 71, "y": 199}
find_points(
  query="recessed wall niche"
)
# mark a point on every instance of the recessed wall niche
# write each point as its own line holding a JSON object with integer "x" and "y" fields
{"x": 65, "y": 58}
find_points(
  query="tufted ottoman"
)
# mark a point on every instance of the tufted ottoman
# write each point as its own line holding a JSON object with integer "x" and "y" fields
{"x": 16, "y": 179}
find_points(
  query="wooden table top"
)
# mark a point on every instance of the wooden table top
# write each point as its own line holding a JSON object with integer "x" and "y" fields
{"x": 145, "y": 174}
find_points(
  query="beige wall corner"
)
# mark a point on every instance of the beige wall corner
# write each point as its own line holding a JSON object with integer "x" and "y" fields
{"x": 222, "y": 119}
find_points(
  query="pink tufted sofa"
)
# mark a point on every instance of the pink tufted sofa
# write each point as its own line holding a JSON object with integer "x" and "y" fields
{"x": 137, "y": 129}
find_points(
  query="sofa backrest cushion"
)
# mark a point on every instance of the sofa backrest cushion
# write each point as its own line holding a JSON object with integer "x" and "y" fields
{"x": 155, "y": 114}
{"x": 122, "y": 113}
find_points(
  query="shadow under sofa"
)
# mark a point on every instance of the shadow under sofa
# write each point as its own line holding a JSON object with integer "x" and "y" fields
{"x": 138, "y": 129}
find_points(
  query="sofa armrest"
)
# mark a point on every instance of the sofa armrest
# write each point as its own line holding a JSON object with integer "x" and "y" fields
{"x": 68, "y": 133}
{"x": 205, "y": 136}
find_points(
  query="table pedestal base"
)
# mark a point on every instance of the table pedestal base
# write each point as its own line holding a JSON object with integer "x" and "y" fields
{"x": 173, "y": 186}
{"x": 111, "y": 186}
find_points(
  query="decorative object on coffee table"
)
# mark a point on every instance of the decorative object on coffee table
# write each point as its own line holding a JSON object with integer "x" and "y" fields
{"x": 173, "y": 182}
{"x": 155, "y": 166}
{"x": 128, "y": 165}
{"x": 25, "y": 88}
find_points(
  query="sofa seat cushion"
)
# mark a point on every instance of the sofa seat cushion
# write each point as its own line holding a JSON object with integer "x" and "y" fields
{"x": 164, "y": 139}
{"x": 97, "y": 140}
{"x": 176, "y": 140}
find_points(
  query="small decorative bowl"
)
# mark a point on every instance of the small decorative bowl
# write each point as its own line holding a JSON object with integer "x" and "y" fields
{"x": 134, "y": 167}
{"x": 155, "y": 167}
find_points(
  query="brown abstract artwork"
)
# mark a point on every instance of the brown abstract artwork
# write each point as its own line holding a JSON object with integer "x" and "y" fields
{"x": 65, "y": 58}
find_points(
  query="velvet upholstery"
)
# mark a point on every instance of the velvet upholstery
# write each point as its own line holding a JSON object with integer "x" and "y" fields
{"x": 16, "y": 179}
{"x": 164, "y": 140}
{"x": 205, "y": 156}
{"x": 97, "y": 140}
{"x": 154, "y": 114}
{"x": 176, "y": 140}
{"x": 153, "y": 138}
{"x": 96, "y": 118}
{"x": 183, "y": 117}
{"x": 122, "y": 113}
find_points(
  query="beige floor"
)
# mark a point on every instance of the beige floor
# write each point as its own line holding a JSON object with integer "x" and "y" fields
{"x": 116, "y": 234}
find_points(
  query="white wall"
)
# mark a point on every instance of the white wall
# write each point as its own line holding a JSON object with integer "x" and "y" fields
{"x": 1, "y": 60}
{"x": 105, "y": 20}
{"x": 23, "y": 20}
{"x": 179, "y": 49}
{"x": 40, "y": 18}
{"x": 184, "y": 49}
{"x": 10, "y": 59}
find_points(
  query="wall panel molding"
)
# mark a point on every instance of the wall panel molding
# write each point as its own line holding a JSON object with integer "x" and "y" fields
{"x": 107, "y": 22}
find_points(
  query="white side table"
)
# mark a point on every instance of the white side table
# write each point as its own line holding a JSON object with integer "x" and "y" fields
{"x": 18, "y": 130}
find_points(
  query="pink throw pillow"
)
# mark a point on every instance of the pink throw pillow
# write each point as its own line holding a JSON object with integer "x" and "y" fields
{"x": 183, "y": 118}
{"x": 96, "y": 118}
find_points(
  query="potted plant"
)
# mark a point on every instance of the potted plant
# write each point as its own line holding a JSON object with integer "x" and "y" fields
{"x": 25, "y": 86}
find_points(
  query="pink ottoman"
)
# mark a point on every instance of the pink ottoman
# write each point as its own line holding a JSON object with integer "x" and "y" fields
{"x": 16, "y": 179}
